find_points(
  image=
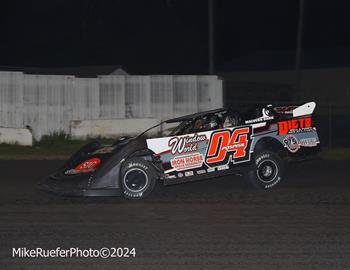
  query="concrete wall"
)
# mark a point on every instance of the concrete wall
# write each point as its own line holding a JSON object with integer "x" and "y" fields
{"x": 48, "y": 103}
{"x": 111, "y": 128}
{"x": 20, "y": 136}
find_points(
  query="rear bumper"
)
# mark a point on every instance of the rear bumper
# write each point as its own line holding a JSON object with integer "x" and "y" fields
{"x": 306, "y": 153}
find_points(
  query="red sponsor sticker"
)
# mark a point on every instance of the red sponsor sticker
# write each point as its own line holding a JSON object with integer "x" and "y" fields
{"x": 285, "y": 109}
{"x": 294, "y": 125}
{"x": 187, "y": 161}
{"x": 89, "y": 164}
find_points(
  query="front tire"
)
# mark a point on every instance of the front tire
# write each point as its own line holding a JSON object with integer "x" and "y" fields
{"x": 138, "y": 178}
{"x": 268, "y": 170}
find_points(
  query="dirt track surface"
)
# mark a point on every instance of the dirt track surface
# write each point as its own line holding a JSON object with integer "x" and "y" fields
{"x": 215, "y": 224}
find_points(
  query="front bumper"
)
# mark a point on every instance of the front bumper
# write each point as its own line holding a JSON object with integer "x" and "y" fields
{"x": 74, "y": 186}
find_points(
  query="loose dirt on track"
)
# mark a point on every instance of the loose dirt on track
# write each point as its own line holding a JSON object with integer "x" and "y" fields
{"x": 215, "y": 224}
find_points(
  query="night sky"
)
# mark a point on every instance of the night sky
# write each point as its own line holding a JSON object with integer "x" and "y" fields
{"x": 161, "y": 36}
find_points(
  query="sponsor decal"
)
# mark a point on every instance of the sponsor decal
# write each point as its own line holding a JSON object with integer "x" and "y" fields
{"x": 86, "y": 166}
{"x": 285, "y": 109}
{"x": 185, "y": 162}
{"x": 186, "y": 144}
{"x": 200, "y": 171}
{"x": 180, "y": 175}
{"x": 210, "y": 169}
{"x": 168, "y": 176}
{"x": 308, "y": 142}
{"x": 260, "y": 119}
{"x": 223, "y": 167}
{"x": 295, "y": 126}
{"x": 229, "y": 145}
{"x": 89, "y": 164}
{"x": 263, "y": 118}
{"x": 189, "y": 173}
{"x": 74, "y": 171}
{"x": 104, "y": 150}
{"x": 291, "y": 142}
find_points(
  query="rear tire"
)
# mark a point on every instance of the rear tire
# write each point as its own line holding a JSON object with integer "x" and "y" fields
{"x": 268, "y": 170}
{"x": 138, "y": 178}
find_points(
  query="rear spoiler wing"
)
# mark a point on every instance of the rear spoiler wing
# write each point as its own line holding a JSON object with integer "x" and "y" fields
{"x": 305, "y": 109}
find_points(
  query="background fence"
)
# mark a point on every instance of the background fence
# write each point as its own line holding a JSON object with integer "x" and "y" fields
{"x": 47, "y": 103}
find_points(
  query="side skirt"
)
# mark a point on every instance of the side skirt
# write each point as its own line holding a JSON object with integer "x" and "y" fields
{"x": 172, "y": 181}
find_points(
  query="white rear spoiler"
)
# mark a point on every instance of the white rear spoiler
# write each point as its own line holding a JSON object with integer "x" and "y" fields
{"x": 305, "y": 109}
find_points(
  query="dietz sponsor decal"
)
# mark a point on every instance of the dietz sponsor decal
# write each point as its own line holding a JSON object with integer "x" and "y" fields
{"x": 294, "y": 126}
{"x": 229, "y": 145}
{"x": 186, "y": 144}
{"x": 185, "y": 162}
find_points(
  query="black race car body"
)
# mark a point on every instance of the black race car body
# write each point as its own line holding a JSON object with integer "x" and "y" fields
{"x": 204, "y": 145}
{"x": 99, "y": 169}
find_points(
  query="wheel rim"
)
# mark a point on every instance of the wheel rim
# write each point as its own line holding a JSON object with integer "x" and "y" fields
{"x": 267, "y": 171}
{"x": 135, "y": 180}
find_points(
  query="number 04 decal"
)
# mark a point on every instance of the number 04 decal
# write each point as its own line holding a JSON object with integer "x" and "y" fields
{"x": 226, "y": 144}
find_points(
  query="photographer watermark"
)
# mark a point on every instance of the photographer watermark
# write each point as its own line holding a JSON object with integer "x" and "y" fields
{"x": 74, "y": 252}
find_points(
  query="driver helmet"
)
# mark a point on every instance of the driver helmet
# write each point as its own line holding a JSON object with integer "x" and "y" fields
{"x": 229, "y": 122}
{"x": 212, "y": 123}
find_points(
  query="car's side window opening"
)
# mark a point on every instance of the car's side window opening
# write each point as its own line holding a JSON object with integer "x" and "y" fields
{"x": 226, "y": 119}
{"x": 228, "y": 122}
{"x": 232, "y": 119}
{"x": 181, "y": 128}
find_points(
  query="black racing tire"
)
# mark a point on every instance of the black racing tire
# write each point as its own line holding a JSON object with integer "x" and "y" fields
{"x": 138, "y": 178}
{"x": 267, "y": 170}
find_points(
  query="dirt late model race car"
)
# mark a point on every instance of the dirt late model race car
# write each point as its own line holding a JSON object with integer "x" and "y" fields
{"x": 204, "y": 145}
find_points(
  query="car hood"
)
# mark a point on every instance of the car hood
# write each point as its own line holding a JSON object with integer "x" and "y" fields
{"x": 93, "y": 151}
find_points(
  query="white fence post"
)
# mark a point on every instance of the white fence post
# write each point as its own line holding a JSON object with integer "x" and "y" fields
{"x": 162, "y": 96}
{"x": 85, "y": 99}
{"x": 185, "y": 95}
{"x": 11, "y": 99}
{"x": 112, "y": 97}
{"x": 138, "y": 96}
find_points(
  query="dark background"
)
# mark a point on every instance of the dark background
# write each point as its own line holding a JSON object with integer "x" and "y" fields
{"x": 165, "y": 36}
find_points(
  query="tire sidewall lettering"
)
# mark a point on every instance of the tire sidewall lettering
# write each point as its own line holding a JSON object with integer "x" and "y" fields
{"x": 141, "y": 165}
{"x": 259, "y": 160}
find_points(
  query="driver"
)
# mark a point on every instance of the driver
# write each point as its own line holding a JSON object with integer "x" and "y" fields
{"x": 212, "y": 123}
{"x": 231, "y": 120}
{"x": 198, "y": 125}
{"x": 228, "y": 122}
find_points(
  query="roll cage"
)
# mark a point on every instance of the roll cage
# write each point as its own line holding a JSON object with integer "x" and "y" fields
{"x": 202, "y": 121}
